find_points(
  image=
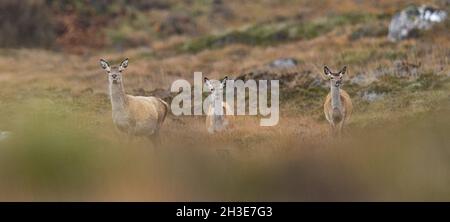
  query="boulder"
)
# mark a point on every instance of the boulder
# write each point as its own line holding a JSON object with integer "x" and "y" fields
{"x": 363, "y": 79}
{"x": 283, "y": 63}
{"x": 406, "y": 23}
{"x": 371, "y": 96}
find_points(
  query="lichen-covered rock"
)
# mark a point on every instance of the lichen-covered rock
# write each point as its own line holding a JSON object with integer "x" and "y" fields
{"x": 406, "y": 23}
{"x": 363, "y": 79}
{"x": 371, "y": 96}
{"x": 284, "y": 63}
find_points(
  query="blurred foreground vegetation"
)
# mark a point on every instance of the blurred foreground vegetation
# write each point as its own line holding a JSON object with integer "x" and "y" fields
{"x": 56, "y": 154}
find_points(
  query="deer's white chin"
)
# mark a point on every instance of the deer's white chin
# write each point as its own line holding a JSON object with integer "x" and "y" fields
{"x": 115, "y": 81}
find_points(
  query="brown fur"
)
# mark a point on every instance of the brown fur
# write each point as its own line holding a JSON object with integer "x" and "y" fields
{"x": 227, "y": 118}
{"x": 338, "y": 117}
{"x": 143, "y": 116}
{"x": 134, "y": 115}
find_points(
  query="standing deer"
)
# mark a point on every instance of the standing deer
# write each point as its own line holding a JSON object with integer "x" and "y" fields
{"x": 216, "y": 120}
{"x": 134, "y": 115}
{"x": 338, "y": 105}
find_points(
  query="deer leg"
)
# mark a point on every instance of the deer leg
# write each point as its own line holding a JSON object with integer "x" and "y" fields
{"x": 333, "y": 129}
{"x": 118, "y": 135}
{"x": 211, "y": 130}
{"x": 130, "y": 135}
{"x": 155, "y": 139}
{"x": 130, "y": 138}
{"x": 341, "y": 127}
{"x": 223, "y": 154}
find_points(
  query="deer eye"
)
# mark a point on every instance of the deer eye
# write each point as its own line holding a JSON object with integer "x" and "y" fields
{"x": 108, "y": 71}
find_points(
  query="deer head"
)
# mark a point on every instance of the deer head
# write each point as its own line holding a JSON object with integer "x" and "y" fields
{"x": 216, "y": 87}
{"x": 114, "y": 72}
{"x": 336, "y": 78}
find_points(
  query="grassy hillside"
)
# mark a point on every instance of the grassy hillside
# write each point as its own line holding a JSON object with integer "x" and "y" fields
{"x": 64, "y": 145}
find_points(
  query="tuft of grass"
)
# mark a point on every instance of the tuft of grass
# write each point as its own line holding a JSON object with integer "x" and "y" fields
{"x": 360, "y": 56}
{"x": 427, "y": 81}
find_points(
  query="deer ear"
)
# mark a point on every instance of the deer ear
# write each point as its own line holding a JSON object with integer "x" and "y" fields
{"x": 224, "y": 81}
{"x": 104, "y": 64}
{"x": 326, "y": 70}
{"x": 342, "y": 72}
{"x": 124, "y": 64}
{"x": 207, "y": 82}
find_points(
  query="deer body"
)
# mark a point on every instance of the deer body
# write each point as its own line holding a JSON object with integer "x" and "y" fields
{"x": 134, "y": 115}
{"x": 137, "y": 115}
{"x": 216, "y": 120}
{"x": 338, "y": 106}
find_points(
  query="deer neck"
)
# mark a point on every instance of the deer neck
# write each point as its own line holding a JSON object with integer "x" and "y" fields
{"x": 118, "y": 97}
{"x": 217, "y": 111}
{"x": 335, "y": 96}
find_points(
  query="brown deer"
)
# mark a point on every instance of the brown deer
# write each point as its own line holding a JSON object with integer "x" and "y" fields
{"x": 338, "y": 105}
{"x": 134, "y": 115}
{"x": 216, "y": 120}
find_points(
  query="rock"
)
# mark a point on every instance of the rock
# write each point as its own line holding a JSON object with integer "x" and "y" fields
{"x": 363, "y": 79}
{"x": 315, "y": 82}
{"x": 371, "y": 96}
{"x": 406, "y": 23}
{"x": 284, "y": 63}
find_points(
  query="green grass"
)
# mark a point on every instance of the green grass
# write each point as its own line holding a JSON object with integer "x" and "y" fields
{"x": 275, "y": 33}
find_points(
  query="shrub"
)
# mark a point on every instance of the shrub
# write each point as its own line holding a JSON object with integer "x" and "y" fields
{"x": 275, "y": 32}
